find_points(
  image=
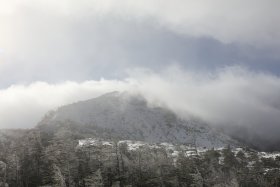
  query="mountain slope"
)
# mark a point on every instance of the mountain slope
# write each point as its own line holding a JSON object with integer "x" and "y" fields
{"x": 119, "y": 140}
{"x": 122, "y": 116}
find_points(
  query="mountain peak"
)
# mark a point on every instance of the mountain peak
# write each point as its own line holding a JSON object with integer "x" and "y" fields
{"x": 120, "y": 115}
{"x": 112, "y": 94}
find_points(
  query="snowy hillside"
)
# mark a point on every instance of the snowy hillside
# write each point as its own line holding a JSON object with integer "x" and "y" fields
{"x": 174, "y": 150}
{"x": 123, "y": 116}
{"x": 171, "y": 149}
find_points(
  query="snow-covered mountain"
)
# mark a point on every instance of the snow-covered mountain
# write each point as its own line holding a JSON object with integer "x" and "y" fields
{"x": 124, "y": 116}
{"x": 120, "y": 140}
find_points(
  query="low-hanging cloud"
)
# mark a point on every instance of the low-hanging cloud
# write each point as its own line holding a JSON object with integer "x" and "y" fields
{"x": 232, "y": 96}
{"x": 22, "y": 106}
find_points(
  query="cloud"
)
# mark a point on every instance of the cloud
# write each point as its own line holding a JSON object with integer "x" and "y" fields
{"x": 70, "y": 41}
{"x": 233, "y": 96}
{"x": 22, "y": 106}
{"x": 253, "y": 21}
{"x": 84, "y": 40}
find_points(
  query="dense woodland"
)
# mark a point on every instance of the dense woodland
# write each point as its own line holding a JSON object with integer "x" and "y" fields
{"x": 34, "y": 158}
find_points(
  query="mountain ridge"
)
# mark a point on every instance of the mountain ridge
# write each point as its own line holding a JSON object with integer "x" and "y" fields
{"x": 127, "y": 116}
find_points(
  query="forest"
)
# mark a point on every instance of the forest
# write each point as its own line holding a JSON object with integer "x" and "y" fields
{"x": 31, "y": 158}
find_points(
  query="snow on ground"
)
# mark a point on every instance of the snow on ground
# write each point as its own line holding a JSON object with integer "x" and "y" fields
{"x": 171, "y": 149}
{"x": 269, "y": 155}
{"x": 93, "y": 142}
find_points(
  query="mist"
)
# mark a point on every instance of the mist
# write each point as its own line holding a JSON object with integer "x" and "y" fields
{"x": 231, "y": 97}
{"x": 171, "y": 83}
{"x": 213, "y": 60}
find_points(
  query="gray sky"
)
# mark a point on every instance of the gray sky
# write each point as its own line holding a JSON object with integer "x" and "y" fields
{"x": 86, "y": 40}
{"x": 223, "y": 55}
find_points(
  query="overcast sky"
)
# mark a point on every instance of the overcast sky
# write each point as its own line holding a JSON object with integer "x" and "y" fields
{"x": 219, "y": 59}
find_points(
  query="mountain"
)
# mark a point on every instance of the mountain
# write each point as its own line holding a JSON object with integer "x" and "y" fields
{"x": 129, "y": 117}
{"x": 119, "y": 140}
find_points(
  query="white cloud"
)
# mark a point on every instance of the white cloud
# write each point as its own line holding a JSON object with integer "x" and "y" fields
{"x": 231, "y": 96}
{"x": 23, "y": 106}
{"x": 39, "y": 38}
{"x": 252, "y": 21}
